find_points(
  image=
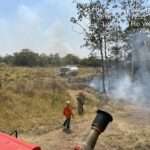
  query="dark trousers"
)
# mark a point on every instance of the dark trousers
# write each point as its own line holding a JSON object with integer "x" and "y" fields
{"x": 80, "y": 109}
{"x": 67, "y": 123}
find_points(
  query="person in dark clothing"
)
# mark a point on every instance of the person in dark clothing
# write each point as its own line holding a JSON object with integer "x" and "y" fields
{"x": 80, "y": 101}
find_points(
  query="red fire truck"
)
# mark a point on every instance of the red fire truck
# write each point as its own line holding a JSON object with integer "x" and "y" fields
{"x": 8, "y": 142}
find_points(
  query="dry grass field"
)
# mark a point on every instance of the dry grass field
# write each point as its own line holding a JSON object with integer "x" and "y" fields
{"x": 130, "y": 130}
{"x": 32, "y": 97}
{"x": 32, "y": 100}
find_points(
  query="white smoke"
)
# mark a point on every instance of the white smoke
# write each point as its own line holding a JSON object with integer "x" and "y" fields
{"x": 134, "y": 84}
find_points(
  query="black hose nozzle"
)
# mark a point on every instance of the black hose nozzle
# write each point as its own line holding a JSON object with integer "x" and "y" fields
{"x": 101, "y": 121}
{"x": 99, "y": 125}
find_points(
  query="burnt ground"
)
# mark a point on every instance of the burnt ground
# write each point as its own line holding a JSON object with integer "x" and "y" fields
{"x": 130, "y": 130}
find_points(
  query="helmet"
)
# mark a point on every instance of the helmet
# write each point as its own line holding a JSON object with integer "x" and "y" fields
{"x": 67, "y": 102}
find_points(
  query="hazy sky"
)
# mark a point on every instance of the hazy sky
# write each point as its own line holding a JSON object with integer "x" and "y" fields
{"x": 41, "y": 25}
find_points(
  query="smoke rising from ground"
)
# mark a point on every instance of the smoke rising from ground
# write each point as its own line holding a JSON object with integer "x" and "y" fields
{"x": 134, "y": 84}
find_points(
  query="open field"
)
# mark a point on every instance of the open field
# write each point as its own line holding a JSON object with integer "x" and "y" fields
{"x": 130, "y": 130}
{"x": 32, "y": 99}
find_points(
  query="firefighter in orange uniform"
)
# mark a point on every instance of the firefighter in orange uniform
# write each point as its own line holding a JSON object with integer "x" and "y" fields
{"x": 68, "y": 113}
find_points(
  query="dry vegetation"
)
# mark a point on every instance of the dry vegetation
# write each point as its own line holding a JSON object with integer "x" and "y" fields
{"x": 87, "y": 71}
{"x": 130, "y": 130}
{"x": 32, "y": 99}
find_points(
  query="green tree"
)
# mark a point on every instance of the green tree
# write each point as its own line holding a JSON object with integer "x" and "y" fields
{"x": 71, "y": 59}
{"x": 26, "y": 58}
{"x": 91, "y": 61}
{"x": 43, "y": 60}
{"x": 8, "y": 59}
{"x": 97, "y": 16}
{"x": 54, "y": 59}
{"x": 137, "y": 18}
{"x": 132, "y": 9}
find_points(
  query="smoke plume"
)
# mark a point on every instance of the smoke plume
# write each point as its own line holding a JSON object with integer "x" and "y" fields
{"x": 133, "y": 84}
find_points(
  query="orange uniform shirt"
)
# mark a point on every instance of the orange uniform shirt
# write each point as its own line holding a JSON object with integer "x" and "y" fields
{"x": 68, "y": 111}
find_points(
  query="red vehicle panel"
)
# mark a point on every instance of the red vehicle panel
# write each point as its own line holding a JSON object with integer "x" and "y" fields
{"x": 8, "y": 142}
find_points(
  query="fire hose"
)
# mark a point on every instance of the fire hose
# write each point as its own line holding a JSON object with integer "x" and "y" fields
{"x": 98, "y": 126}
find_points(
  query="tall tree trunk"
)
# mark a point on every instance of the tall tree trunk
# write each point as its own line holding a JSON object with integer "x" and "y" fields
{"x": 103, "y": 66}
{"x": 105, "y": 49}
{"x": 117, "y": 53}
{"x": 106, "y": 63}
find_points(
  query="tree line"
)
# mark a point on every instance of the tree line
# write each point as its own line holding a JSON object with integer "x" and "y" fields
{"x": 27, "y": 57}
